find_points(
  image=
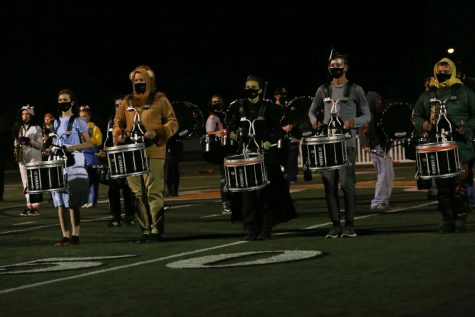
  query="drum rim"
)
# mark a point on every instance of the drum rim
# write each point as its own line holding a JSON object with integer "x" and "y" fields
{"x": 234, "y": 159}
{"x": 325, "y": 139}
{"x": 333, "y": 167}
{"x": 426, "y": 177}
{"x": 118, "y": 148}
{"x": 247, "y": 189}
{"x": 128, "y": 174}
{"x": 53, "y": 163}
{"x": 433, "y": 144}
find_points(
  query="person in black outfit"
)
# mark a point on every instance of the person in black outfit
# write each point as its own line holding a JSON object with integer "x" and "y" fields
{"x": 260, "y": 209}
{"x": 115, "y": 185}
{"x": 291, "y": 141}
{"x": 172, "y": 162}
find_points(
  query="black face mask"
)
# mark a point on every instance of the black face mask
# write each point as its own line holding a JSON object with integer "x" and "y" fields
{"x": 336, "y": 72}
{"x": 283, "y": 98}
{"x": 443, "y": 77}
{"x": 251, "y": 93}
{"x": 217, "y": 107}
{"x": 140, "y": 87}
{"x": 64, "y": 106}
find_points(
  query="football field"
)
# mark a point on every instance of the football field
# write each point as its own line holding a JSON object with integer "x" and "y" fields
{"x": 397, "y": 265}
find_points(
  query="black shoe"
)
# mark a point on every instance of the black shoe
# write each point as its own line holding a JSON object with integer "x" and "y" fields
{"x": 26, "y": 212}
{"x": 263, "y": 236}
{"x": 129, "y": 221}
{"x": 34, "y": 212}
{"x": 250, "y": 236}
{"x": 74, "y": 240}
{"x": 114, "y": 223}
{"x": 154, "y": 237}
{"x": 143, "y": 238}
{"x": 448, "y": 227}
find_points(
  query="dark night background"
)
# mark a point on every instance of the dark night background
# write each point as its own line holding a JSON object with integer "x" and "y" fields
{"x": 201, "y": 49}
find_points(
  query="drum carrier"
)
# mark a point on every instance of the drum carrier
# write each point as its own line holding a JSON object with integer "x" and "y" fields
{"x": 326, "y": 150}
{"x": 246, "y": 171}
{"x": 439, "y": 159}
{"x": 129, "y": 159}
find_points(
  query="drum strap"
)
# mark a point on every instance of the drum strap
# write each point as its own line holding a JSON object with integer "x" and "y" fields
{"x": 70, "y": 124}
{"x": 147, "y": 104}
{"x": 262, "y": 109}
{"x": 453, "y": 94}
{"x": 327, "y": 90}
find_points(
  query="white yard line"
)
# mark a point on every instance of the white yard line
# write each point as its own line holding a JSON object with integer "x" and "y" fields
{"x": 58, "y": 280}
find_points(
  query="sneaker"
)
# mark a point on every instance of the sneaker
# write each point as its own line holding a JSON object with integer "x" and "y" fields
{"x": 143, "y": 238}
{"x": 334, "y": 232}
{"x": 166, "y": 207}
{"x": 62, "y": 243}
{"x": 34, "y": 212}
{"x": 349, "y": 232}
{"x": 226, "y": 211}
{"x": 264, "y": 235}
{"x": 382, "y": 206}
{"x": 113, "y": 223}
{"x": 74, "y": 240}
{"x": 25, "y": 212}
{"x": 250, "y": 236}
{"x": 154, "y": 237}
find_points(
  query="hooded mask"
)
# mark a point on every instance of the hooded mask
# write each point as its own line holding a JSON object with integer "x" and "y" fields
{"x": 149, "y": 80}
{"x": 448, "y": 82}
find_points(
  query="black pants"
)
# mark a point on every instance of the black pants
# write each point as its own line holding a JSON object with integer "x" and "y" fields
{"x": 452, "y": 195}
{"x": 172, "y": 173}
{"x": 114, "y": 198}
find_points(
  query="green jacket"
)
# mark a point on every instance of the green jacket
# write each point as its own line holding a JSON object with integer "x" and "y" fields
{"x": 460, "y": 107}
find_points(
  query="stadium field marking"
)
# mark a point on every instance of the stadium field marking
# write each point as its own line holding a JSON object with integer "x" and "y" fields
{"x": 373, "y": 215}
{"x": 173, "y": 256}
{"x": 55, "y": 225}
{"x": 23, "y": 223}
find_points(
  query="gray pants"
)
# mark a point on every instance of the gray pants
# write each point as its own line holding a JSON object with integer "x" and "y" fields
{"x": 385, "y": 177}
{"x": 347, "y": 179}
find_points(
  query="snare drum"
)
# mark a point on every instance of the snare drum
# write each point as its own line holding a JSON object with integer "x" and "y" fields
{"x": 325, "y": 152}
{"x": 214, "y": 147}
{"x": 45, "y": 176}
{"x": 102, "y": 172}
{"x": 245, "y": 172}
{"x": 127, "y": 160}
{"x": 438, "y": 160}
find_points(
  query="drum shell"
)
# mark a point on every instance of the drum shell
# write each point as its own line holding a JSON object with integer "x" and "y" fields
{"x": 103, "y": 174}
{"x": 245, "y": 172}
{"x": 45, "y": 176}
{"x": 127, "y": 160}
{"x": 325, "y": 152}
{"x": 396, "y": 121}
{"x": 215, "y": 147}
{"x": 438, "y": 160}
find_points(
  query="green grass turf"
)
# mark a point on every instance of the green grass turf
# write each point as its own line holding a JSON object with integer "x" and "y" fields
{"x": 397, "y": 266}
